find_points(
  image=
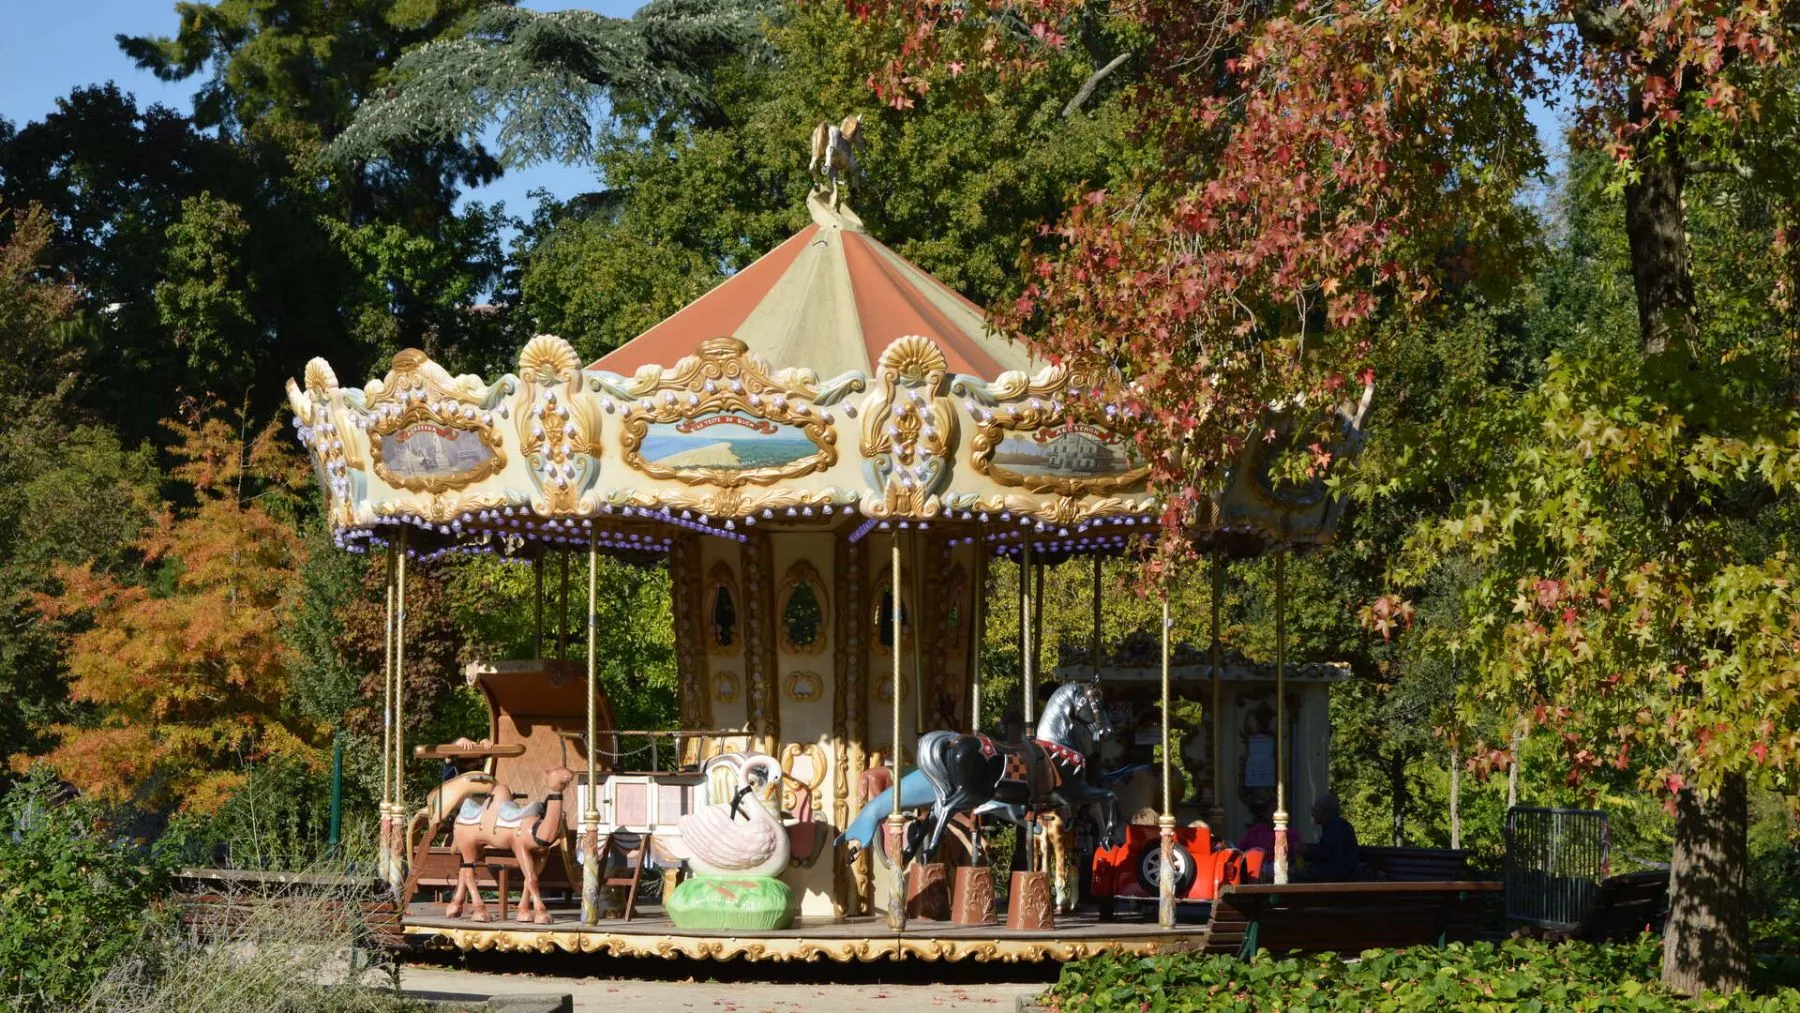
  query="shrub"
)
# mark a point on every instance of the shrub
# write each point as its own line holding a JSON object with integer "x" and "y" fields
{"x": 74, "y": 894}
{"x": 269, "y": 947}
{"x": 1520, "y": 975}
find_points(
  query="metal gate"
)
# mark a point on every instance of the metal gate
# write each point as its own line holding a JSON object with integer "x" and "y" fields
{"x": 1555, "y": 860}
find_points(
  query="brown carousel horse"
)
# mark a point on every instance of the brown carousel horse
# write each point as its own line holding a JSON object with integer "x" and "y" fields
{"x": 528, "y": 831}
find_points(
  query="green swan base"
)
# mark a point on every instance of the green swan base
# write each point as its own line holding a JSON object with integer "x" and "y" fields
{"x": 745, "y": 903}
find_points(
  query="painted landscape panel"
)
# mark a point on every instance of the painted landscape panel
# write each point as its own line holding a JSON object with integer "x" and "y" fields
{"x": 429, "y": 450}
{"x": 1071, "y": 451}
{"x": 725, "y": 441}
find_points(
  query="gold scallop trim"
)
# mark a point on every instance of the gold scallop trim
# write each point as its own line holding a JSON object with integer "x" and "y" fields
{"x": 1000, "y": 950}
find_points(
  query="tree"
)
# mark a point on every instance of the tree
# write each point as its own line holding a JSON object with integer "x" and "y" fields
{"x": 1326, "y": 165}
{"x": 69, "y": 491}
{"x": 542, "y": 76}
{"x": 187, "y": 676}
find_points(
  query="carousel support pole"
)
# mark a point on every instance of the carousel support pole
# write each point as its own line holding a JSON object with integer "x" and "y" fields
{"x": 537, "y": 606}
{"x": 589, "y": 831}
{"x": 897, "y": 820}
{"x": 1217, "y": 737}
{"x": 1281, "y": 722}
{"x": 1165, "y": 879}
{"x": 397, "y": 870}
{"x": 1028, "y": 648}
{"x": 562, "y": 613}
{"x": 977, "y": 630}
{"x": 1037, "y": 630}
{"x": 1094, "y": 647}
{"x": 918, "y": 665}
{"x": 384, "y": 855}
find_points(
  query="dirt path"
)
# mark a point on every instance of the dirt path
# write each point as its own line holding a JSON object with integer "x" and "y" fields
{"x": 825, "y": 991}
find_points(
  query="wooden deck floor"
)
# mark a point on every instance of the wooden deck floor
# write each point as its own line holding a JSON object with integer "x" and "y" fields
{"x": 1076, "y": 935}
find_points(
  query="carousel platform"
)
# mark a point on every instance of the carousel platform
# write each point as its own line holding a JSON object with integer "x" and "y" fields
{"x": 651, "y": 934}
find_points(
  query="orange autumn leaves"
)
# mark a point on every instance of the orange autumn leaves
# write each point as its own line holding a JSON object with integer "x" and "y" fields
{"x": 187, "y": 675}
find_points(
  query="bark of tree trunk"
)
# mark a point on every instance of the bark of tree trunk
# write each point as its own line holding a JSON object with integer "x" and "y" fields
{"x": 1397, "y": 786}
{"x": 1656, "y": 228}
{"x": 1706, "y": 945}
{"x": 1455, "y": 797}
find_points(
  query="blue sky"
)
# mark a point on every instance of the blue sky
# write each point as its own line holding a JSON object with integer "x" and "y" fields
{"x": 50, "y": 47}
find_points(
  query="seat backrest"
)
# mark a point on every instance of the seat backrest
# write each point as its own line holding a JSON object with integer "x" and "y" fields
{"x": 534, "y": 703}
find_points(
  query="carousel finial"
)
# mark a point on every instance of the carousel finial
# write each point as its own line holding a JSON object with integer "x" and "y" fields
{"x": 834, "y": 156}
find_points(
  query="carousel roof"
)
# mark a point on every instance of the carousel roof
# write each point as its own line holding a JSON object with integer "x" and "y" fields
{"x": 831, "y": 383}
{"x": 831, "y": 299}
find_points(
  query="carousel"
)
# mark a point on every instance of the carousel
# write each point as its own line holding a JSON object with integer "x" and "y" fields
{"x": 828, "y": 451}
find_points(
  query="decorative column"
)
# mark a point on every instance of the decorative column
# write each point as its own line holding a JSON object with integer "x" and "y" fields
{"x": 1281, "y": 717}
{"x": 397, "y": 869}
{"x": 896, "y": 819}
{"x": 1165, "y": 880}
{"x": 588, "y": 833}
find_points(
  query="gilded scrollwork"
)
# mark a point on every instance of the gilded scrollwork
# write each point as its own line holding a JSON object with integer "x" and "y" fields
{"x": 559, "y": 427}
{"x": 723, "y": 379}
{"x": 319, "y": 430}
{"x": 737, "y": 502}
{"x": 910, "y": 429}
{"x": 1045, "y": 410}
{"x": 419, "y": 398}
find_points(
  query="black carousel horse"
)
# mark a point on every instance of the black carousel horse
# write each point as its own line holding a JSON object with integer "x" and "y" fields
{"x": 1049, "y": 771}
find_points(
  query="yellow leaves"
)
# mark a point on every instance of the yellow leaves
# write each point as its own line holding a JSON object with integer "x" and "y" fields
{"x": 190, "y": 674}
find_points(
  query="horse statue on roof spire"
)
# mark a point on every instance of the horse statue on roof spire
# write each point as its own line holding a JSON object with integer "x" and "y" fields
{"x": 834, "y": 156}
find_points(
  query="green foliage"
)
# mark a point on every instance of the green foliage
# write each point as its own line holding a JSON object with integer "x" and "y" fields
{"x": 1516, "y": 975}
{"x": 543, "y": 75}
{"x": 74, "y": 894}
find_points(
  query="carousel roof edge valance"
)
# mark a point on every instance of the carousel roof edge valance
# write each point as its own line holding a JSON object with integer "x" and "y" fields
{"x": 716, "y": 442}
{"x": 720, "y": 441}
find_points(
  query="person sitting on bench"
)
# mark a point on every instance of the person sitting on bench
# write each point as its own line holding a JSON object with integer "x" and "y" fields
{"x": 1333, "y": 858}
{"x": 1261, "y": 835}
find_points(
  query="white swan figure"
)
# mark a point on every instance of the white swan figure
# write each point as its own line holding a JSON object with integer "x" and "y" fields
{"x": 738, "y": 838}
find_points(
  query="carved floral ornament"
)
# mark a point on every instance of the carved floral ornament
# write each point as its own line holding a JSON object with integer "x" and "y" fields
{"x": 559, "y": 429}
{"x": 910, "y": 429}
{"x": 723, "y": 384}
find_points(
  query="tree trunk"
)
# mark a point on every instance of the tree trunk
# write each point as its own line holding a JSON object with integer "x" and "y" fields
{"x": 1656, "y": 227}
{"x": 1397, "y": 786}
{"x": 1455, "y": 797}
{"x": 1706, "y": 945}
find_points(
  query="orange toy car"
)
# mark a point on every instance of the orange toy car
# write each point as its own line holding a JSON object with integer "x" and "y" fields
{"x": 1129, "y": 871}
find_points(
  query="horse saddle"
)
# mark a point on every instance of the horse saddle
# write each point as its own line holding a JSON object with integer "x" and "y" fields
{"x": 512, "y": 814}
{"x": 1029, "y": 766}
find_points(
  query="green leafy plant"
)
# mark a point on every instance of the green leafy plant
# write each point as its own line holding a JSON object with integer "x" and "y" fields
{"x": 1524, "y": 975}
{"x": 75, "y": 893}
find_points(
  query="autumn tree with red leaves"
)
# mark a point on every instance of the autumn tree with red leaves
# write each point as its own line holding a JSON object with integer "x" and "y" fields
{"x": 1324, "y": 171}
{"x": 187, "y": 675}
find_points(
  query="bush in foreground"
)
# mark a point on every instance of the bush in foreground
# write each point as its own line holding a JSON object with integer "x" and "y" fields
{"x": 1517, "y": 975}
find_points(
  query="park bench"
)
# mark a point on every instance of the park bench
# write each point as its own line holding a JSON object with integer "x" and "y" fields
{"x": 1412, "y": 865}
{"x": 1344, "y": 917}
{"x": 225, "y": 904}
{"x": 1625, "y": 906}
